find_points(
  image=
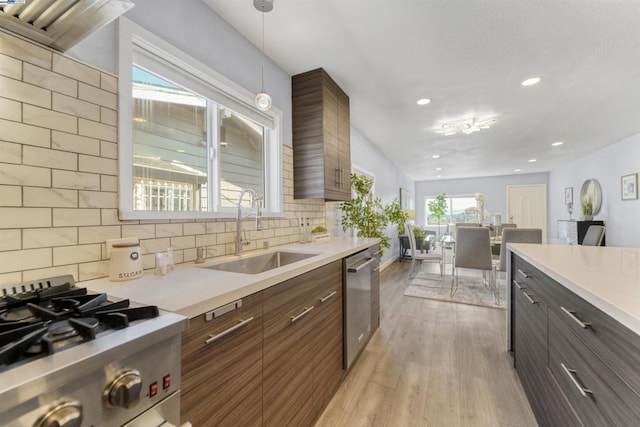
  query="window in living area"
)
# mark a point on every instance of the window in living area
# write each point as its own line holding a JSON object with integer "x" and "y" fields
{"x": 459, "y": 209}
{"x": 190, "y": 140}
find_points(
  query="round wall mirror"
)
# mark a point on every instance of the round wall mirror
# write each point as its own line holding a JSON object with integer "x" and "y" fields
{"x": 591, "y": 188}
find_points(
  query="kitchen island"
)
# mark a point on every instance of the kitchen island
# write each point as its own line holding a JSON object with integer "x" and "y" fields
{"x": 574, "y": 329}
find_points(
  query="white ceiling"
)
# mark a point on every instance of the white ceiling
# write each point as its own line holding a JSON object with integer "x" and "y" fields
{"x": 469, "y": 57}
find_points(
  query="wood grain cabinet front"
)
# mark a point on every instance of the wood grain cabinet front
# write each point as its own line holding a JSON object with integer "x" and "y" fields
{"x": 296, "y": 343}
{"x": 222, "y": 367}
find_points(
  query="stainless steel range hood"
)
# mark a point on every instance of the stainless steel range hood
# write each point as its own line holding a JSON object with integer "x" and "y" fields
{"x": 60, "y": 24}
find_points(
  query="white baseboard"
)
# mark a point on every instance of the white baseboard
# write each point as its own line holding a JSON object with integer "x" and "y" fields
{"x": 388, "y": 262}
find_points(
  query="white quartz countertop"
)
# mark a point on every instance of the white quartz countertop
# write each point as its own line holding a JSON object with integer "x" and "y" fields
{"x": 607, "y": 277}
{"x": 191, "y": 289}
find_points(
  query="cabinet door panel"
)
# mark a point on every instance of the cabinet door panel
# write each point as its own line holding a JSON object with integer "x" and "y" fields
{"x": 609, "y": 401}
{"x": 227, "y": 372}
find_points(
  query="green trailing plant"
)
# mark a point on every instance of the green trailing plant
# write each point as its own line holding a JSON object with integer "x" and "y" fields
{"x": 319, "y": 229}
{"x": 419, "y": 233}
{"x": 438, "y": 208}
{"x": 587, "y": 206}
{"x": 367, "y": 215}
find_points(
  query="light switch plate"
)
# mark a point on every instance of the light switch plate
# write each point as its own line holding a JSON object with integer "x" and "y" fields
{"x": 124, "y": 240}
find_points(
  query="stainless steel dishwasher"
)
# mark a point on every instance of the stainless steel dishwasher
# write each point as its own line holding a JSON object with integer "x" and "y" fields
{"x": 357, "y": 271}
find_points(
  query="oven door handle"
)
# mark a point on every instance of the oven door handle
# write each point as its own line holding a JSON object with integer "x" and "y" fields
{"x": 168, "y": 424}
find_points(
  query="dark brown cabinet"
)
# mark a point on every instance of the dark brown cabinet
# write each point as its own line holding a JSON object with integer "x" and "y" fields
{"x": 578, "y": 366}
{"x": 302, "y": 346}
{"x": 321, "y": 137}
{"x": 222, "y": 367}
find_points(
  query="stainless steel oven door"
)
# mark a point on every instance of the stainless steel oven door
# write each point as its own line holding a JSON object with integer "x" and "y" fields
{"x": 164, "y": 414}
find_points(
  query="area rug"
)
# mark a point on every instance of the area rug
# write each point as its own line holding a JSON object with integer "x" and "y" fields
{"x": 471, "y": 290}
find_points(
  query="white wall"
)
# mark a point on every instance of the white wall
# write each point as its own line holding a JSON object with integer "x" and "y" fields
{"x": 622, "y": 218}
{"x": 494, "y": 188}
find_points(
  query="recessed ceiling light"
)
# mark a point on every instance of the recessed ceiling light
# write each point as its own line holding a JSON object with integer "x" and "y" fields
{"x": 224, "y": 143}
{"x": 517, "y": 170}
{"x": 557, "y": 143}
{"x": 436, "y": 156}
{"x": 531, "y": 160}
{"x": 438, "y": 169}
{"x": 531, "y": 81}
{"x": 179, "y": 151}
{"x": 438, "y": 176}
{"x": 139, "y": 119}
{"x": 423, "y": 101}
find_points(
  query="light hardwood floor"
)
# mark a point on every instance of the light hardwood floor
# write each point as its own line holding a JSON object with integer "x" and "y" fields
{"x": 431, "y": 363}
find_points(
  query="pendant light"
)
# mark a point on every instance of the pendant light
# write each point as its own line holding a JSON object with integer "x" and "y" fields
{"x": 263, "y": 100}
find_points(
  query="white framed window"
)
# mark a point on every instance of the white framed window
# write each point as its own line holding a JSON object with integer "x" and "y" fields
{"x": 189, "y": 139}
{"x": 459, "y": 209}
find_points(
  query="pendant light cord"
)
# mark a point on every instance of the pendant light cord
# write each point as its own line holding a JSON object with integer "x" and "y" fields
{"x": 263, "y": 54}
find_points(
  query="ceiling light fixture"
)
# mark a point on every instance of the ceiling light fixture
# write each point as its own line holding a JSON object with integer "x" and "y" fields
{"x": 438, "y": 169}
{"x": 532, "y": 160}
{"x": 557, "y": 143}
{"x": 517, "y": 170}
{"x": 438, "y": 176}
{"x": 532, "y": 81}
{"x": 435, "y": 156}
{"x": 423, "y": 101}
{"x": 466, "y": 126}
{"x": 263, "y": 100}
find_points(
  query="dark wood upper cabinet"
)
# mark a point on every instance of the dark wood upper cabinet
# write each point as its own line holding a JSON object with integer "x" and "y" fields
{"x": 321, "y": 138}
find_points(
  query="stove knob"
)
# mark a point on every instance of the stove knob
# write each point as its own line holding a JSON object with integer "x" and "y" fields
{"x": 124, "y": 390}
{"x": 62, "y": 414}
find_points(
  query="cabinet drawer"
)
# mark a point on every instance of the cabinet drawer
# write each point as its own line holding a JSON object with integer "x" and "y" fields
{"x": 618, "y": 346}
{"x": 596, "y": 393}
{"x": 228, "y": 370}
{"x": 527, "y": 275}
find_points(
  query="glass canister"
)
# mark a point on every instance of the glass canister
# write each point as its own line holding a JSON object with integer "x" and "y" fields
{"x": 126, "y": 262}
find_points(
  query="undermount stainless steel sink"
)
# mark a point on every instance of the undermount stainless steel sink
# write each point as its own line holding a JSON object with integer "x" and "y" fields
{"x": 261, "y": 263}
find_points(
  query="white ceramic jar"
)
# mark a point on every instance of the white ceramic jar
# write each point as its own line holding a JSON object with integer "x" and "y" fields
{"x": 126, "y": 262}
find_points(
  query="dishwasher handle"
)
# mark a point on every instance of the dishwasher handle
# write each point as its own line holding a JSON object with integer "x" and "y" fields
{"x": 360, "y": 267}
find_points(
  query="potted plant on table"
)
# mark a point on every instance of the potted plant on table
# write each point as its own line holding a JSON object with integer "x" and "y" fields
{"x": 438, "y": 208}
{"x": 367, "y": 215}
{"x": 587, "y": 208}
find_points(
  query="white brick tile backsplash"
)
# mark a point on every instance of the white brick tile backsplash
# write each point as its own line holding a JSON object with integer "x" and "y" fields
{"x": 75, "y": 180}
{"x": 49, "y": 119}
{"x": 98, "y": 199}
{"x": 109, "y": 216}
{"x": 194, "y": 228}
{"x": 108, "y": 149}
{"x": 168, "y": 230}
{"x": 108, "y": 183}
{"x": 10, "y": 278}
{"x": 49, "y": 80}
{"x": 97, "y": 96}
{"x": 10, "y": 110}
{"x": 76, "y": 107}
{"x": 45, "y": 157}
{"x": 24, "y": 134}
{"x": 109, "y": 82}
{"x": 108, "y": 116}
{"x": 24, "y": 175}
{"x": 75, "y": 143}
{"x": 152, "y": 246}
{"x": 27, "y": 259}
{"x": 189, "y": 255}
{"x": 183, "y": 242}
{"x": 75, "y": 217}
{"x": 226, "y": 238}
{"x": 24, "y": 92}
{"x": 10, "y": 240}
{"x": 93, "y": 270}
{"x": 98, "y": 165}
{"x": 206, "y": 240}
{"x": 42, "y": 273}
{"x": 25, "y": 51}
{"x": 10, "y": 152}
{"x": 50, "y": 197}
{"x": 43, "y": 237}
{"x": 76, "y": 254}
{"x": 10, "y": 67}
{"x": 10, "y": 195}
{"x": 141, "y": 231}
{"x": 98, "y": 234}
{"x": 76, "y": 70}
{"x": 97, "y": 130}
{"x": 215, "y": 227}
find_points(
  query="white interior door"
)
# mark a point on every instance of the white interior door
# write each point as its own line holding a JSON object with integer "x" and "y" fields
{"x": 527, "y": 206}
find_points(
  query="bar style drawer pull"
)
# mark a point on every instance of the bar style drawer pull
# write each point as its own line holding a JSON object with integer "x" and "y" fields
{"x": 301, "y": 315}
{"x": 375, "y": 269}
{"x": 525, "y": 275}
{"x": 360, "y": 267}
{"x": 331, "y": 295}
{"x": 571, "y": 373}
{"x": 531, "y": 300}
{"x": 518, "y": 285}
{"x": 572, "y": 314}
{"x": 213, "y": 338}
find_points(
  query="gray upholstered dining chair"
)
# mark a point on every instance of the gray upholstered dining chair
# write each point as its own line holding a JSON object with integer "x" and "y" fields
{"x": 419, "y": 256}
{"x": 502, "y": 226}
{"x": 473, "y": 250}
{"x": 517, "y": 235}
{"x": 594, "y": 236}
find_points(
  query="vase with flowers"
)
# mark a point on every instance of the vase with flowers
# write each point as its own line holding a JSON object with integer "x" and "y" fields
{"x": 480, "y": 199}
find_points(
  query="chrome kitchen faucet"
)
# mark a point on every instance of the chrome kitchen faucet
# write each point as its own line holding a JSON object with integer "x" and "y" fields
{"x": 255, "y": 199}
